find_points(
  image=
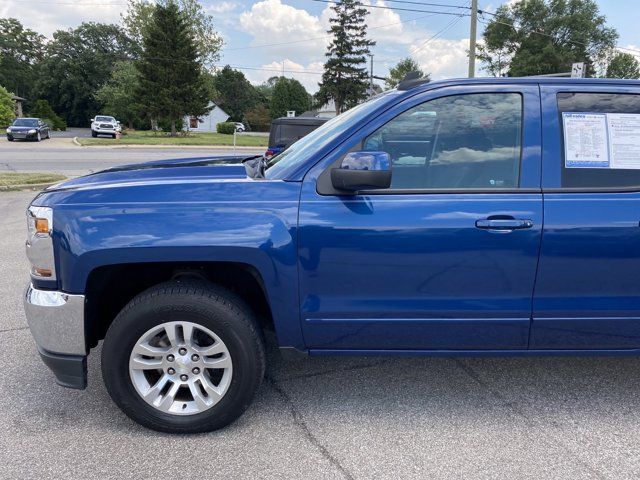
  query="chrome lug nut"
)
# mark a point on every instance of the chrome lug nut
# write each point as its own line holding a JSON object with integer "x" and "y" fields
{"x": 196, "y": 370}
{"x": 182, "y": 351}
{"x": 184, "y": 378}
{"x": 171, "y": 371}
{"x": 195, "y": 357}
{"x": 170, "y": 358}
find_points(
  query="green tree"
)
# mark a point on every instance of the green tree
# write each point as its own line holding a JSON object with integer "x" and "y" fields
{"x": 265, "y": 89}
{"x": 623, "y": 65}
{"x": 404, "y": 66}
{"x": 171, "y": 83}
{"x": 236, "y": 94}
{"x": 42, "y": 109}
{"x": 77, "y": 63}
{"x": 20, "y": 51}
{"x": 288, "y": 94}
{"x": 546, "y": 36}
{"x": 345, "y": 78}
{"x": 138, "y": 18}
{"x": 117, "y": 95}
{"x": 259, "y": 118}
{"x": 7, "y": 107}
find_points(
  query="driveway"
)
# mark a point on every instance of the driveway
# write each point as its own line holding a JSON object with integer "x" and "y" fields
{"x": 324, "y": 418}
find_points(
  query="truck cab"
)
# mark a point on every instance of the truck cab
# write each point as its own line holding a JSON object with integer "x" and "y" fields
{"x": 462, "y": 217}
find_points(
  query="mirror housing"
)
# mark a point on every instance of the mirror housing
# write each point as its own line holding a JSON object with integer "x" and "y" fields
{"x": 362, "y": 170}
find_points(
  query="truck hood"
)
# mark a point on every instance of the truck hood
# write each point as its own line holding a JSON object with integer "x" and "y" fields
{"x": 161, "y": 171}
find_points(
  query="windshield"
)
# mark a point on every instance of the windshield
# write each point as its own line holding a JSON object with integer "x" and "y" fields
{"x": 26, "y": 122}
{"x": 105, "y": 119}
{"x": 298, "y": 153}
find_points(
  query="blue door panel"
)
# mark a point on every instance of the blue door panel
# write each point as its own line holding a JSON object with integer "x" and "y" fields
{"x": 413, "y": 272}
{"x": 588, "y": 290}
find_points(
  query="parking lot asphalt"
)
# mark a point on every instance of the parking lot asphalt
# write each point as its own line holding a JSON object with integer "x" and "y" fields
{"x": 325, "y": 418}
{"x": 60, "y": 155}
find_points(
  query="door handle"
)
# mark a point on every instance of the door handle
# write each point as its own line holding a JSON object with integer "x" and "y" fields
{"x": 504, "y": 224}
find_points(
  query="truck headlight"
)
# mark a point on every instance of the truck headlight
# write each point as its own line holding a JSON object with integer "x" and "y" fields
{"x": 40, "y": 242}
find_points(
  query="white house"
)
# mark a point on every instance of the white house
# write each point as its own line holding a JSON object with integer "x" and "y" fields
{"x": 208, "y": 122}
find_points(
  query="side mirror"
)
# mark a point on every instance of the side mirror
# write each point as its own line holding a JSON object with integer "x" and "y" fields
{"x": 362, "y": 171}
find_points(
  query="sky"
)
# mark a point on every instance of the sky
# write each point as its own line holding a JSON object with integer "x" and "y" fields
{"x": 261, "y": 38}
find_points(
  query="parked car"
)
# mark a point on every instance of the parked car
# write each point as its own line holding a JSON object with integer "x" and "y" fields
{"x": 240, "y": 127}
{"x": 287, "y": 130}
{"x": 105, "y": 125}
{"x": 28, "y": 129}
{"x": 413, "y": 224}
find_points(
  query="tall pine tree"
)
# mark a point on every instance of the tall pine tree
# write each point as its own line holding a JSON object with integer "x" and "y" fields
{"x": 345, "y": 78}
{"x": 172, "y": 83}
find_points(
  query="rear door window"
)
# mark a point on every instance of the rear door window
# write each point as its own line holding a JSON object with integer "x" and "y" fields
{"x": 601, "y": 140}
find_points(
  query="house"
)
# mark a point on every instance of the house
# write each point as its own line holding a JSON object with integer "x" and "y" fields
{"x": 208, "y": 122}
{"x": 18, "y": 107}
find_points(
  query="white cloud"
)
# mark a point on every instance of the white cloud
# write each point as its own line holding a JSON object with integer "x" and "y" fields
{"x": 443, "y": 58}
{"x": 220, "y": 7}
{"x": 270, "y": 21}
{"x": 47, "y": 19}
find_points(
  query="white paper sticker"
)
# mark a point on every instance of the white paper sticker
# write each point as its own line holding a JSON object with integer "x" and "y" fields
{"x": 624, "y": 140}
{"x": 585, "y": 140}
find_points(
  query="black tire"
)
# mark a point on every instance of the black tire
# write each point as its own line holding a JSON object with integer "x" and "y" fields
{"x": 10, "y": 139}
{"x": 38, "y": 137}
{"x": 214, "y": 308}
{"x": 113, "y": 136}
{"x": 48, "y": 135}
{"x": 94, "y": 134}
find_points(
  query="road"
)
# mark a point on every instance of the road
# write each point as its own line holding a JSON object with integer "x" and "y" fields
{"x": 60, "y": 155}
{"x": 354, "y": 418}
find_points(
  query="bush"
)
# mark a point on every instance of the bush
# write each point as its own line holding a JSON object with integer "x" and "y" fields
{"x": 42, "y": 109}
{"x": 226, "y": 127}
{"x": 6, "y": 108}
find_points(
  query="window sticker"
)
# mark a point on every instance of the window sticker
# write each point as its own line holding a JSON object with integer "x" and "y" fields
{"x": 624, "y": 140}
{"x": 585, "y": 140}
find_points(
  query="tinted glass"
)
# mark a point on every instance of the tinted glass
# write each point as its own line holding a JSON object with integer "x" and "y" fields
{"x": 598, "y": 103}
{"x": 26, "y": 122}
{"x": 468, "y": 141}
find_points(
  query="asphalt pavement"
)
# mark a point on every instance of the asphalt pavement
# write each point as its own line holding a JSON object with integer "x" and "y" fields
{"x": 61, "y": 155}
{"x": 343, "y": 418}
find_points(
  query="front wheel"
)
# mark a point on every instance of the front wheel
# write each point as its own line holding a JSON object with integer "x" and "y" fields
{"x": 94, "y": 134}
{"x": 38, "y": 137}
{"x": 183, "y": 358}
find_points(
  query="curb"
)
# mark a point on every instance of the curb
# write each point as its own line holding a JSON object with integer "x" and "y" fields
{"x": 76, "y": 142}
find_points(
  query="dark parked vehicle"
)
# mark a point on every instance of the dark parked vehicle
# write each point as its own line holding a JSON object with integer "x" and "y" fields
{"x": 28, "y": 129}
{"x": 287, "y": 130}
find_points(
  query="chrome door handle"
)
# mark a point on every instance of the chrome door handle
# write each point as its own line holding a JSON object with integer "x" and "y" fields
{"x": 503, "y": 223}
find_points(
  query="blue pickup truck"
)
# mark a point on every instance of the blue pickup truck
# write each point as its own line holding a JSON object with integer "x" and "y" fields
{"x": 462, "y": 217}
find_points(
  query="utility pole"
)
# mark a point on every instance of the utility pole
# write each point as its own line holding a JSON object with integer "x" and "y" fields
{"x": 371, "y": 76}
{"x": 472, "y": 38}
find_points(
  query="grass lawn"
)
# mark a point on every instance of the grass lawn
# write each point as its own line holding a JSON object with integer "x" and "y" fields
{"x": 9, "y": 181}
{"x": 204, "y": 139}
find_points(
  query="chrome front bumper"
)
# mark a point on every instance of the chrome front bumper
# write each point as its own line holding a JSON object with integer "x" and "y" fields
{"x": 56, "y": 321}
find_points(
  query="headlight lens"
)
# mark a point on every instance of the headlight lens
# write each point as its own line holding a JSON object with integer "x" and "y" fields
{"x": 32, "y": 131}
{"x": 8, "y": 130}
{"x": 40, "y": 242}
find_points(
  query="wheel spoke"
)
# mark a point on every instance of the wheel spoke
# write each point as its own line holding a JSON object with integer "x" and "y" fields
{"x": 214, "y": 349}
{"x": 222, "y": 362}
{"x": 138, "y": 363}
{"x": 172, "y": 334}
{"x": 167, "y": 400}
{"x": 153, "y": 393}
{"x": 198, "y": 398}
{"x": 149, "y": 351}
{"x": 210, "y": 388}
{"x": 187, "y": 331}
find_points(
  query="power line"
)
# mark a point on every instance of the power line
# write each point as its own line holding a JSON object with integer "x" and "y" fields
{"x": 435, "y": 12}
{"x": 436, "y": 35}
